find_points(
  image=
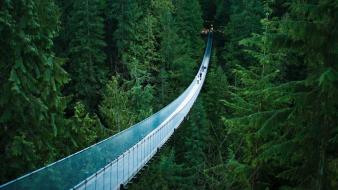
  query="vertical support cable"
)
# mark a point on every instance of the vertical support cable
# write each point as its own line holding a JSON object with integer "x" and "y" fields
{"x": 133, "y": 157}
{"x": 152, "y": 141}
{"x": 148, "y": 150}
{"x": 128, "y": 161}
{"x": 117, "y": 171}
{"x": 150, "y": 144}
{"x": 143, "y": 151}
{"x": 104, "y": 172}
{"x": 161, "y": 134}
{"x": 122, "y": 167}
{"x": 137, "y": 156}
{"x": 95, "y": 180}
{"x": 144, "y": 146}
{"x": 111, "y": 172}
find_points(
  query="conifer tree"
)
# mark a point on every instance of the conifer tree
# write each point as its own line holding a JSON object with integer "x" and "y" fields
{"x": 188, "y": 17}
{"x": 189, "y": 20}
{"x": 215, "y": 90}
{"x": 244, "y": 19}
{"x": 115, "y": 108}
{"x": 86, "y": 63}
{"x": 124, "y": 104}
{"x": 173, "y": 59}
{"x": 31, "y": 116}
{"x": 279, "y": 134}
{"x": 166, "y": 174}
{"x": 309, "y": 33}
{"x": 86, "y": 129}
{"x": 195, "y": 140}
{"x": 135, "y": 41}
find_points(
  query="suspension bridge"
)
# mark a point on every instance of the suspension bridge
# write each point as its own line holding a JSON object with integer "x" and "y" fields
{"x": 113, "y": 162}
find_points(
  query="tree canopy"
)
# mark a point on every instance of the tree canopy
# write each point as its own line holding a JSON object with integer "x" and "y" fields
{"x": 74, "y": 72}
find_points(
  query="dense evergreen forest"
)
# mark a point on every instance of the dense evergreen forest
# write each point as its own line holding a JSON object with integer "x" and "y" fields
{"x": 74, "y": 72}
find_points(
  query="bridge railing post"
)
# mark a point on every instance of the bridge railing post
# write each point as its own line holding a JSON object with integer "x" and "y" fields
{"x": 117, "y": 172}
{"x": 110, "y": 175}
{"x": 123, "y": 164}
{"x": 86, "y": 184}
{"x": 133, "y": 158}
{"x": 142, "y": 150}
{"x": 103, "y": 177}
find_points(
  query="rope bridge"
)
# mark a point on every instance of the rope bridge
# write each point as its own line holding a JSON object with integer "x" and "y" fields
{"x": 113, "y": 162}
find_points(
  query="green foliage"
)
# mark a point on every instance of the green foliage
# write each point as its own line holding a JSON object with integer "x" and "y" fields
{"x": 141, "y": 97}
{"x": 124, "y": 105}
{"x": 135, "y": 39}
{"x": 86, "y": 63}
{"x": 38, "y": 124}
{"x": 315, "y": 110}
{"x": 178, "y": 58}
{"x": 282, "y": 126}
{"x": 267, "y": 118}
{"x": 244, "y": 19}
{"x": 176, "y": 62}
{"x": 214, "y": 91}
{"x": 169, "y": 50}
{"x": 189, "y": 21}
{"x": 86, "y": 129}
{"x": 195, "y": 139}
{"x": 31, "y": 116}
{"x": 188, "y": 17}
{"x": 115, "y": 107}
{"x": 166, "y": 174}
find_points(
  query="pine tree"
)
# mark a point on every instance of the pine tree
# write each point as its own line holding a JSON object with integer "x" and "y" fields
{"x": 309, "y": 33}
{"x": 189, "y": 21}
{"x": 86, "y": 129}
{"x": 166, "y": 174}
{"x": 250, "y": 103}
{"x": 195, "y": 140}
{"x": 62, "y": 40}
{"x": 135, "y": 41}
{"x": 214, "y": 91}
{"x": 279, "y": 134}
{"x": 31, "y": 116}
{"x": 188, "y": 17}
{"x": 116, "y": 108}
{"x": 176, "y": 66}
{"x": 244, "y": 19}
{"x": 172, "y": 54}
{"x": 86, "y": 63}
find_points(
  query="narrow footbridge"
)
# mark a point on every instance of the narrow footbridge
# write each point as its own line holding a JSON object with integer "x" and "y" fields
{"x": 113, "y": 162}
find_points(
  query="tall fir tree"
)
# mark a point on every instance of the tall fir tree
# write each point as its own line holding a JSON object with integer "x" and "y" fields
{"x": 87, "y": 58}
{"x": 279, "y": 134}
{"x": 309, "y": 33}
{"x": 135, "y": 42}
{"x": 189, "y": 20}
{"x": 31, "y": 116}
{"x": 188, "y": 17}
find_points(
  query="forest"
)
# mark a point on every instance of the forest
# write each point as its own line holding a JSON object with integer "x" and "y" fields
{"x": 74, "y": 72}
